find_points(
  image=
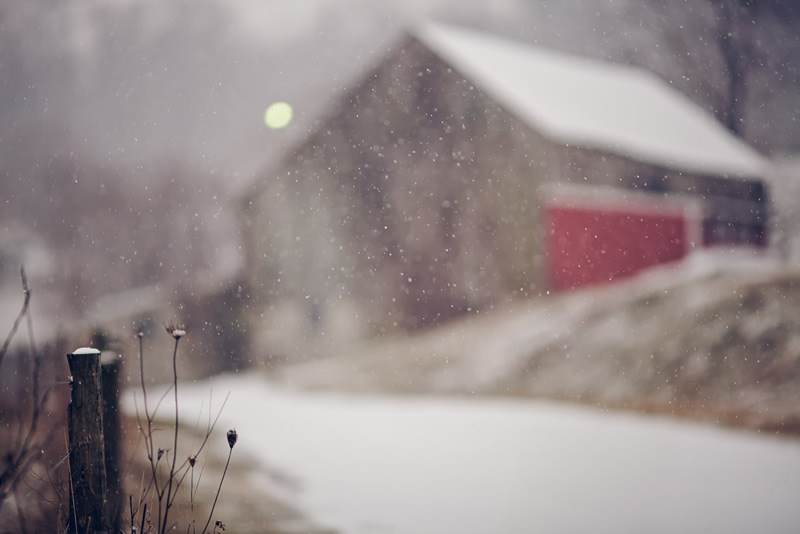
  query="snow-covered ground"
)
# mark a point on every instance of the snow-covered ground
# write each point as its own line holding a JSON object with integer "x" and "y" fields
{"x": 715, "y": 337}
{"x": 380, "y": 464}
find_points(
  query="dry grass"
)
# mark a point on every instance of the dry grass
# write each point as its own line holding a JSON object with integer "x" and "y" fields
{"x": 243, "y": 506}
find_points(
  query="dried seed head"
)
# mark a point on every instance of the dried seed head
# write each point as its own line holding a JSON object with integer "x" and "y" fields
{"x": 175, "y": 330}
{"x": 192, "y": 460}
{"x": 232, "y": 437}
{"x": 160, "y": 452}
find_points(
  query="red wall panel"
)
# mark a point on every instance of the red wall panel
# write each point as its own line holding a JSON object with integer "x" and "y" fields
{"x": 597, "y": 244}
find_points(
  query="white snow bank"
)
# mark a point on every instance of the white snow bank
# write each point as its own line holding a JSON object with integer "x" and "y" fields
{"x": 489, "y": 359}
{"x": 425, "y": 465}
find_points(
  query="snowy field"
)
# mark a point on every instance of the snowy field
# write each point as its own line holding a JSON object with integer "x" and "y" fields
{"x": 371, "y": 464}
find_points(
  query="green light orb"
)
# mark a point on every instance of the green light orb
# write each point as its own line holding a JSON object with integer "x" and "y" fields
{"x": 278, "y": 115}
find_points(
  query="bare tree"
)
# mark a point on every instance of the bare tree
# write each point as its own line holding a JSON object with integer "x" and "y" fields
{"x": 739, "y": 35}
{"x": 33, "y": 435}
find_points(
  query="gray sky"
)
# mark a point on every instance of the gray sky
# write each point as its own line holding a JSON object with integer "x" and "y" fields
{"x": 130, "y": 82}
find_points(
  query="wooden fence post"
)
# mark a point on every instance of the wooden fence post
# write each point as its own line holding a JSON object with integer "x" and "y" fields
{"x": 86, "y": 455}
{"x": 109, "y": 366}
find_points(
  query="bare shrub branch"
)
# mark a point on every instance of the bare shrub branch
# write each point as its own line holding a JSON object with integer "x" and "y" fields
{"x": 159, "y": 489}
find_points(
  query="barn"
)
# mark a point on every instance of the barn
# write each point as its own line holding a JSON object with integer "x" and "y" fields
{"x": 465, "y": 170}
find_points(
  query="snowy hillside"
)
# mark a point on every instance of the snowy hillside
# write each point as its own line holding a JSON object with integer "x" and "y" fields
{"x": 717, "y": 338}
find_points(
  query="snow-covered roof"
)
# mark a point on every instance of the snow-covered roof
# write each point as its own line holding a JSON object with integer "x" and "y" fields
{"x": 592, "y": 104}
